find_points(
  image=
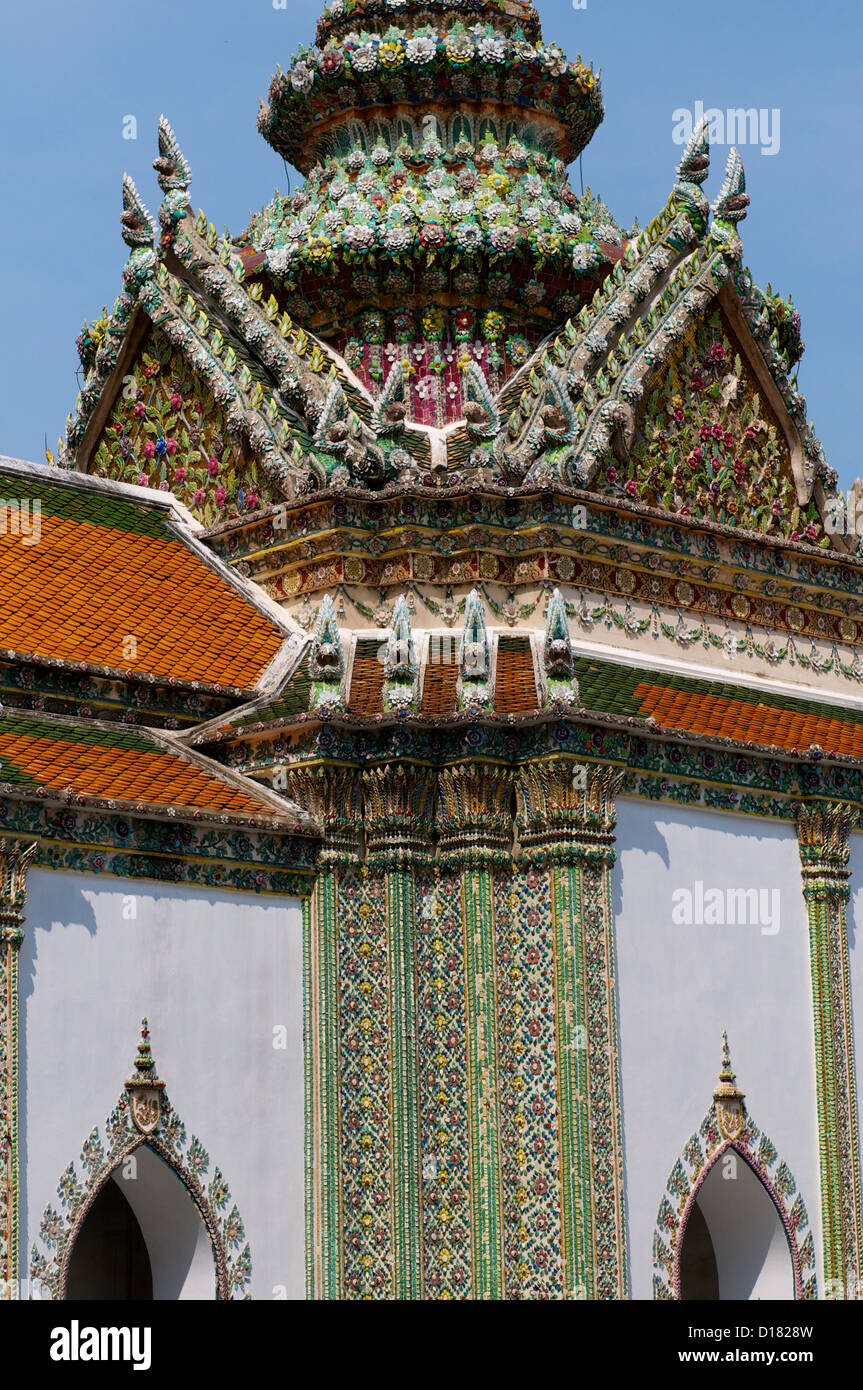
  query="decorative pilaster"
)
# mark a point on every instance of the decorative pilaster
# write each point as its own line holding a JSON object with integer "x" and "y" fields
{"x": 823, "y": 830}
{"x": 566, "y": 822}
{"x": 475, "y": 835}
{"x": 15, "y": 859}
{"x": 399, "y": 818}
{"x": 333, "y": 796}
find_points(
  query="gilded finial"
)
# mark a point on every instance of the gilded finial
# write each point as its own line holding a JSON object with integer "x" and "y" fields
{"x": 728, "y": 1097}
{"x": 144, "y": 1089}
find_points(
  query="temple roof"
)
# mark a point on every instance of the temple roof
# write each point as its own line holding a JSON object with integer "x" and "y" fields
{"x": 80, "y": 763}
{"x": 115, "y": 580}
{"x": 369, "y": 333}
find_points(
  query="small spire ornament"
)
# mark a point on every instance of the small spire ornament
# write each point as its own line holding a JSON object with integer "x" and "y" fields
{"x": 144, "y": 1087}
{"x": 730, "y": 1110}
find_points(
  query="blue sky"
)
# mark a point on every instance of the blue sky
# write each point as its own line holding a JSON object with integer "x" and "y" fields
{"x": 72, "y": 72}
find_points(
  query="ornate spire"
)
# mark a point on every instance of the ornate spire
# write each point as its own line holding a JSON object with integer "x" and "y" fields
{"x": 727, "y": 1085}
{"x": 377, "y": 15}
{"x": 144, "y": 1087}
{"x": 137, "y": 222}
{"x": 144, "y": 1066}
{"x": 437, "y": 211}
{"x": 730, "y": 1109}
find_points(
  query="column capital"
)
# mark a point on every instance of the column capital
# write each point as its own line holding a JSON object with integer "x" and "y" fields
{"x": 16, "y": 857}
{"x": 333, "y": 795}
{"x": 474, "y": 820}
{"x": 398, "y": 806}
{"x": 566, "y": 809}
{"x": 823, "y": 828}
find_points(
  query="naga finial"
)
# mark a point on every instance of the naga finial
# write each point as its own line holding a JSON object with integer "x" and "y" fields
{"x": 172, "y": 167}
{"x": 327, "y": 662}
{"x": 695, "y": 164}
{"x": 733, "y": 199}
{"x": 137, "y": 222}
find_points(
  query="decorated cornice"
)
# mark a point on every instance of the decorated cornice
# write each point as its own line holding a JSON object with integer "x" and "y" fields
{"x": 58, "y": 687}
{"x": 138, "y": 848}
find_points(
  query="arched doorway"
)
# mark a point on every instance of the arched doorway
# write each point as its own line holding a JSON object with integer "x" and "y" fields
{"x": 732, "y": 1242}
{"x": 182, "y": 1212}
{"x": 141, "y": 1238}
{"x": 732, "y": 1223}
{"x": 110, "y": 1260}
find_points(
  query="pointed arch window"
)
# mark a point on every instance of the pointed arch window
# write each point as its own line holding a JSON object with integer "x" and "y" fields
{"x": 142, "y": 1209}
{"x": 732, "y": 1224}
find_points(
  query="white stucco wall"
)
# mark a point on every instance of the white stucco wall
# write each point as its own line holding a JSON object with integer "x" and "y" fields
{"x": 214, "y": 972}
{"x": 680, "y": 985}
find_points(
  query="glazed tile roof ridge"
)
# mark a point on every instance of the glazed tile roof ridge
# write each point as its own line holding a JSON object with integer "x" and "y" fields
{"x": 158, "y": 518}
{"x": 222, "y": 726}
{"x": 151, "y": 755}
{"x": 658, "y": 699}
{"x": 89, "y": 482}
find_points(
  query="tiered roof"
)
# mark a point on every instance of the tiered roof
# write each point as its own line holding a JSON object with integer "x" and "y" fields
{"x": 113, "y": 611}
{"x": 104, "y": 768}
{"x": 434, "y": 380}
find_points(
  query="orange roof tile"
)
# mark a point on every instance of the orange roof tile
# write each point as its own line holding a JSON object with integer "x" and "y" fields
{"x": 58, "y": 757}
{"x": 94, "y": 581}
{"x": 747, "y": 722}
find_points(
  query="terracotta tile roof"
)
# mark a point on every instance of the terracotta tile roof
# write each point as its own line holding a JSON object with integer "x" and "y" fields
{"x": 128, "y": 767}
{"x": 719, "y": 708}
{"x": 105, "y": 569}
{"x": 746, "y": 722}
{"x": 514, "y": 682}
{"x": 439, "y": 687}
{"x": 367, "y": 679}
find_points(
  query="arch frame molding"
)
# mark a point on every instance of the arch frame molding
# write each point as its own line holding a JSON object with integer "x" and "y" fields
{"x": 82, "y": 1182}
{"x": 727, "y": 1128}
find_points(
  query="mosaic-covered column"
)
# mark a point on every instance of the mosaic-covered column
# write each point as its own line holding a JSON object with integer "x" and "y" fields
{"x": 333, "y": 797}
{"x": 15, "y": 859}
{"x": 822, "y": 830}
{"x": 399, "y": 821}
{"x": 475, "y": 837}
{"x": 566, "y": 821}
